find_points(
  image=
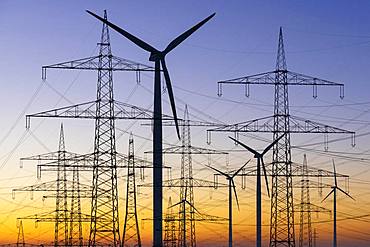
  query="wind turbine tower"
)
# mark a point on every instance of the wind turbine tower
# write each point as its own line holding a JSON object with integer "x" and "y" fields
{"x": 158, "y": 57}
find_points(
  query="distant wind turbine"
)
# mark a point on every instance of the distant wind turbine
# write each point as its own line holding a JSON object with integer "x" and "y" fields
{"x": 334, "y": 190}
{"x": 184, "y": 202}
{"x": 158, "y": 57}
{"x": 230, "y": 178}
{"x": 259, "y": 157}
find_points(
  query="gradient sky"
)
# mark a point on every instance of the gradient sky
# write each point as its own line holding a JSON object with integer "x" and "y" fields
{"x": 325, "y": 39}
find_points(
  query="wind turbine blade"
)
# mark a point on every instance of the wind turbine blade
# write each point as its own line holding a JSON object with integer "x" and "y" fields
{"x": 126, "y": 34}
{"x": 185, "y": 35}
{"x": 328, "y": 194}
{"x": 170, "y": 95}
{"x": 174, "y": 205}
{"x": 191, "y": 205}
{"x": 335, "y": 175}
{"x": 246, "y": 147}
{"x": 265, "y": 175}
{"x": 241, "y": 168}
{"x": 272, "y": 144}
{"x": 236, "y": 195}
{"x": 346, "y": 193}
{"x": 222, "y": 173}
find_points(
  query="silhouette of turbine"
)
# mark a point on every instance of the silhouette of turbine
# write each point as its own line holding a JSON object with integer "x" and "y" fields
{"x": 259, "y": 157}
{"x": 158, "y": 57}
{"x": 231, "y": 185}
{"x": 334, "y": 190}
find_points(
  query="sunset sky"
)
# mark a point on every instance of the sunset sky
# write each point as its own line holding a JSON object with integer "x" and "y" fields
{"x": 324, "y": 39}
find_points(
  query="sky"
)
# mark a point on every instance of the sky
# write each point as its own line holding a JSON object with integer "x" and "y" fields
{"x": 325, "y": 39}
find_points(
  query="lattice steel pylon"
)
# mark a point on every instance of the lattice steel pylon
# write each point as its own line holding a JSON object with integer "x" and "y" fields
{"x": 61, "y": 200}
{"x": 131, "y": 231}
{"x": 282, "y": 209}
{"x": 305, "y": 224}
{"x": 20, "y": 238}
{"x": 282, "y": 226}
{"x": 75, "y": 237}
{"x": 186, "y": 236}
{"x": 169, "y": 239}
{"x": 306, "y": 208}
{"x": 104, "y": 225}
{"x": 67, "y": 221}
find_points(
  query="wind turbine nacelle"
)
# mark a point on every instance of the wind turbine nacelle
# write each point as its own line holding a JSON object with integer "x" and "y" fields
{"x": 155, "y": 56}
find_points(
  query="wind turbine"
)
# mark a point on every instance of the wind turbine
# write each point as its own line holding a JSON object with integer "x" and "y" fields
{"x": 334, "y": 190}
{"x": 184, "y": 202}
{"x": 259, "y": 157}
{"x": 158, "y": 57}
{"x": 231, "y": 185}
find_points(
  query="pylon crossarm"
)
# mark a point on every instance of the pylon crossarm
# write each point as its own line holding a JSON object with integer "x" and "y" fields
{"x": 311, "y": 184}
{"x": 70, "y": 194}
{"x": 52, "y": 186}
{"x": 53, "y": 156}
{"x": 311, "y": 208}
{"x": 140, "y": 163}
{"x": 301, "y": 125}
{"x": 50, "y": 217}
{"x": 178, "y": 183}
{"x": 301, "y": 79}
{"x": 296, "y": 172}
{"x": 269, "y": 78}
{"x": 92, "y": 63}
{"x": 84, "y": 110}
{"x": 266, "y": 124}
{"x": 88, "y": 111}
{"x": 127, "y": 111}
{"x": 210, "y": 218}
{"x": 188, "y": 123}
{"x": 315, "y": 172}
{"x": 191, "y": 149}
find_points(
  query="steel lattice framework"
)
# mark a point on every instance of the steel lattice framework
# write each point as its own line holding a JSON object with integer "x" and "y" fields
{"x": 104, "y": 227}
{"x": 61, "y": 208}
{"x": 67, "y": 220}
{"x": 20, "y": 237}
{"x": 282, "y": 207}
{"x": 170, "y": 233}
{"x": 186, "y": 236}
{"x": 131, "y": 231}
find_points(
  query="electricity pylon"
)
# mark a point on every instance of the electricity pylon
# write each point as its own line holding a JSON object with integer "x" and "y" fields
{"x": 104, "y": 226}
{"x": 131, "y": 231}
{"x": 20, "y": 238}
{"x": 334, "y": 191}
{"x": 305, "y": 208}
{"x": 170, "y": 239}
{"x": 186, "y": 182}
{"x": 61, "y": 208}
{"x": 230, "y": 178}
{"x": 282, "y": 205}
{"x": 67, "y": 221}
